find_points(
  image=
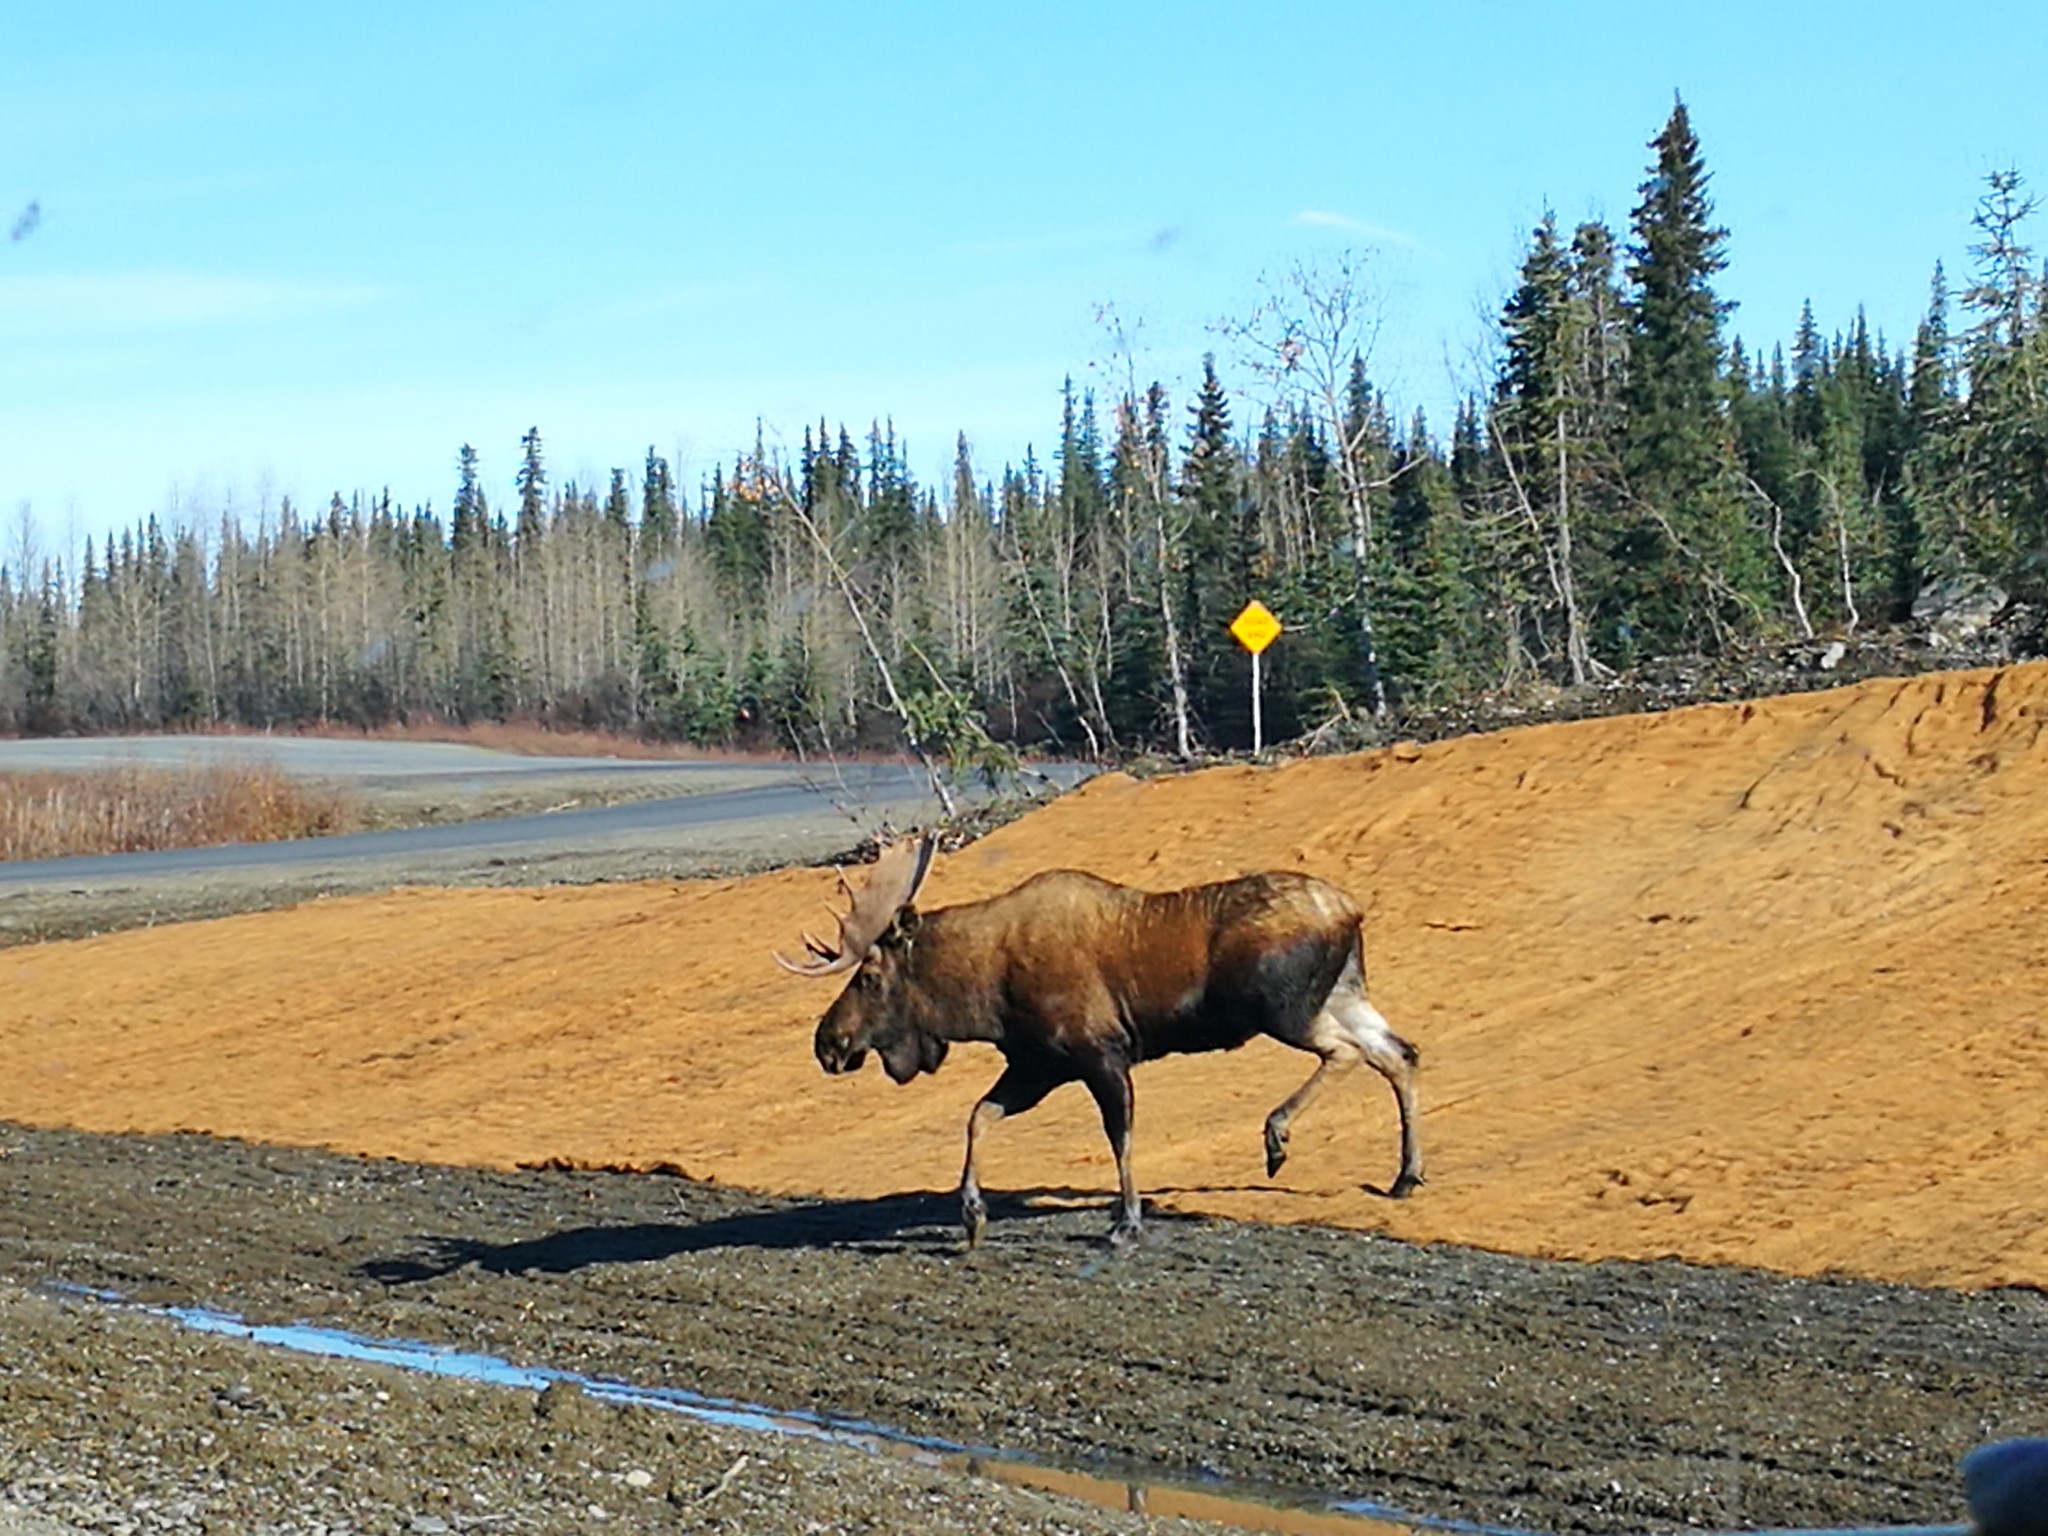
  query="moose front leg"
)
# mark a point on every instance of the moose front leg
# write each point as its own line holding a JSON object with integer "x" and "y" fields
{"x": 1110, "y": 1082}
{"x": 1017, "y": 1090}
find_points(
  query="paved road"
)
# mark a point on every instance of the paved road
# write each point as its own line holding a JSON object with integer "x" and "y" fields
{"x": 685, "y": 816}
{"x": 858, "y": 798}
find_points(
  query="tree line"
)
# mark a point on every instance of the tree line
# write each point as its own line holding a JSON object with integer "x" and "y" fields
{"x": 1633, "y": 483}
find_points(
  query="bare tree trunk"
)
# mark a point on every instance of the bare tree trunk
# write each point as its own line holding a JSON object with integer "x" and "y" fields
{"x": 1848, "y": 578}
{"x": 1556, "y": 546}
{"x": 896, "y": 703}
{"x": 1132, "y": 426}
{"x": 1103, "y": 661}
{"x": 1795, "y": 583}
{"x": 1576, "y": 649}
{"x": 1176, "y": 667}
{"x": 1361, "y": 566}
{"x": 1055, "y": 651}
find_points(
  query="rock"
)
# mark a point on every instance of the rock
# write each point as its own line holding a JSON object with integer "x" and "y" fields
{"x": 1959, "y": 607}
{"x": 566, "y": 1406}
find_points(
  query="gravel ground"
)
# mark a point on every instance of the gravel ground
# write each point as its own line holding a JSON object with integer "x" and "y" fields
{"x": 1448, "y": 1382}
{"x": 118, "y": 1422}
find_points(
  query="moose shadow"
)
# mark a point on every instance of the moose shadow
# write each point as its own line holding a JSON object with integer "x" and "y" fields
{"x": 892, "y": 1224}
{"x": 1377, "y": 1191}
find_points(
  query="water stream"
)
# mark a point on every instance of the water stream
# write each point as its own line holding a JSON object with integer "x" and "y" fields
{"x": 1249, "y": 1507}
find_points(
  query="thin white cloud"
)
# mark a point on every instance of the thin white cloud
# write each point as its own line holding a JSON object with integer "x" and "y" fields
{"x": 57, "y": 304}
{"x": 1322, "y": 218}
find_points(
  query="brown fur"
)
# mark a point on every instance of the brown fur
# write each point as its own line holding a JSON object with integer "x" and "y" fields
{"x": 1075, "y": 978}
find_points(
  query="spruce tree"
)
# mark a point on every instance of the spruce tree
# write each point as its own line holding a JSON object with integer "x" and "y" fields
{"x": 890, "y": 528}
{"x": 1555, "y": 416}
{"x": 472, "y": 510}
{"x": 1809, "y": 363}
{"x": 1772, "y": 459}
{"x": 1081, "y": 491}
{"x": 1689, "y": 568}
{"x": 658, "y": 518}
{"x": 1930, "y": 411}
{"x": 735, "y": 534}
{"x": 1533, "y": 429}
{"x": 1210, "y": 493}
{"x": 1149, "y": 685}
{"x": 1995, "y": 456}
{"x": 1424, "y": 588}
{"x": 41, "y": 713}
{"x": 533, "y": 492}
{"x": 618, "y": 505}
{"x": 1531, "y": 323}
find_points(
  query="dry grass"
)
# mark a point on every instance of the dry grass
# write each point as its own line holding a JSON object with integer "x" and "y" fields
{"x": 127, "y": 810}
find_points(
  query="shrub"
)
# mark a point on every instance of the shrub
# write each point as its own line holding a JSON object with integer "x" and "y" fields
{"x": 127, "y": 810}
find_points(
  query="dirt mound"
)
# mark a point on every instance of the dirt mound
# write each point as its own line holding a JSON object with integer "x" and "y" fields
{"x": 1742, "y": 983}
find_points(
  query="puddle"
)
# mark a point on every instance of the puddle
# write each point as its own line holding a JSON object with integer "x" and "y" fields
{"x": 1247, "y": 1507}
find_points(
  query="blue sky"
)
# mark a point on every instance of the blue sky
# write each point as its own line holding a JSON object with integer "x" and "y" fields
{"x": 288, "y": 250}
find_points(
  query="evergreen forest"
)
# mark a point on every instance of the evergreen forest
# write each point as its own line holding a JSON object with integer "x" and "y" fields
{"x": 1634, "y": 482}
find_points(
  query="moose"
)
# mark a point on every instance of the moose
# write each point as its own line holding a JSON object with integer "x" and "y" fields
{"x": 1073, "y": 977}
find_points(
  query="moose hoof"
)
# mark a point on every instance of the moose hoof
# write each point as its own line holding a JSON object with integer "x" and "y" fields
{"x": 1276, "y": 1150}
{"x": 973, "y": 1221}
{"x": 1123, "y": 1235}
{"x": 1405, "y": 1186}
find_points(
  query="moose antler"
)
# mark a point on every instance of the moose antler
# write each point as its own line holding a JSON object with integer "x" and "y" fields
{"x": 873, "y": 907}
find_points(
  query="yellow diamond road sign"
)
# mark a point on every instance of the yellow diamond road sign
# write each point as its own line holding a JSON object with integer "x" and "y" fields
{"x": 1255, "y": 628}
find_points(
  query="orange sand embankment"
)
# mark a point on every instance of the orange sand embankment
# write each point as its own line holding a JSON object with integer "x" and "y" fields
{"x": 1755, "y": 984}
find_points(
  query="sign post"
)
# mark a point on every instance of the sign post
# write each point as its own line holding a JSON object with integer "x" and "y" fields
{"x": 1255, "y": 629}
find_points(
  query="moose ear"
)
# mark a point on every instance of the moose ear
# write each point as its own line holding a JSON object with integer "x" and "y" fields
{"x": 903, "y": 926}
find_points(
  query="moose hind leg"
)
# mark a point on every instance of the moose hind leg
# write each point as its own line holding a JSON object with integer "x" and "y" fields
{"x": 1395, "y": 1060}
{"x": 1328, "y": 1039}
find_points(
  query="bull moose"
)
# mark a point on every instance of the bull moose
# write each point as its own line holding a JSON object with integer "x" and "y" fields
{"x": 1077, "y": 978}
